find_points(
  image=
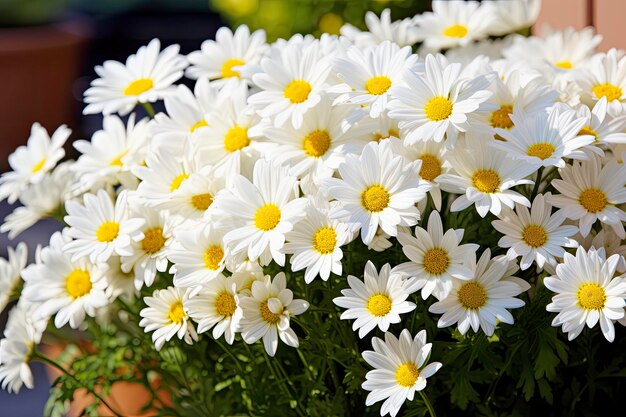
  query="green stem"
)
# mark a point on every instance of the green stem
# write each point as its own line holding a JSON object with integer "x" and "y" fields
{"x": 43, "y": 358}
{"x": 537, "y": 183}
{"x": 149, "y": 109}
{"x": 430, "y": 407}
{"x": 281, "y": 383}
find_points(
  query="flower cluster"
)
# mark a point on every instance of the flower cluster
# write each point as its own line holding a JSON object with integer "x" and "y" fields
{"x": 291, "y": 156}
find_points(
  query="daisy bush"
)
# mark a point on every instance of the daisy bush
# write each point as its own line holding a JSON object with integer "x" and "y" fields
{"x": 426, "y": 217}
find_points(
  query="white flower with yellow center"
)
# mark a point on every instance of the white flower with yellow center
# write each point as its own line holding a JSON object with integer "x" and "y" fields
{"x": 606, "y": 240}
{"x": 453, "y": 23}
{"x": 199, "y": 255}
{"x": 381, "y": 29}
{"x": 121, "y": 284}
{"x": 438, "y": 102}
{"x": 604, "y": 128}
{"x": 10, "y": 273}
{"x": 100, "y": 228}
{"x": 377, "y": 301}
{"x": 399, "y": 369}
{"x": 435, "y": 258}
{"x": 369, "y": 74}
{"x": 167, "y": 315}
{"x": 290, "y": 82}
{"x": 230, "y": 55}
{"x": 112, "y": 151}
{"x": 482, "y": 301}
{"x": 545, "y": 139}
{"x": 31, "y": 162}
{"x": 267, "y": 311}
{"x": 377, "y": 189}
{"x": 58, "y": 285}
{"x": 587, "y": 292}
{"x": 217, "y": 307}
{"x": 315, "y": 243}
{"x": 605, "y": 76}
{"x": 484, "y": 177}
{"x": 537, "y": 235}
{"x": 146, "y": 77}
{"x": 591, "y": 192}
{"x": 261, "y": 212}
{"x": 513, "y": 15}
{"x": 149, "y": 253}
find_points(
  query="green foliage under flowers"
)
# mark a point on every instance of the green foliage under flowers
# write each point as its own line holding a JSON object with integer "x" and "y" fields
{"x": 525, "y": 369}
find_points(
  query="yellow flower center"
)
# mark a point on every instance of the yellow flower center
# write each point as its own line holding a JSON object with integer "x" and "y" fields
{"x": 375, "y": 198}
{"x": 227, "y": 68}
{"x": 267, "y": 315}
{"x": 316, "y": 143}
{"x": 138, "y": 86}
{"x": 153, "y": 240}
{"x": 486, "y": 181}
{"x": 610, "y": 91}
{"x": 177, "y": 181}
{"x": 117, "y": 161}
{"x": 37, "y": 167}
{"x": 593, "y": 200}
{"x": 455, "y": 31}
{"x": 176, "y": 313}
{"x": 379, "y": 305}
{"x": 438, "y": 108}
{"x": 564, "y": 65}
{"x": 236, "y": 138}
{"x": 378, "y": 85}
{"x": 472, "y": 295}
{"x": 202, "y": 201}
{"x": 297, "y": 91}
{"x": 587, "y": 130}
{"x": 535, "y": 236}
{"x": 267, "y": 217}
{"x": 591, "y": 296}
{"x": 107, "y": 231}
{"x": 431, "y": 167}
{"x": 407, "y": 374}
{"x": 213, "y": 256}
{"x": 500, "y": 118}
{"x": 201, "y": 123}
{"x": 325, "y": 240}
{"x": 436, "y": 261}
{"x": 78, "y": 283}
{"x": 541, "y": 150}
{"x": 225, "y": 304}
{"x": 378, "y": 136}
{"x": 330, "y": 23}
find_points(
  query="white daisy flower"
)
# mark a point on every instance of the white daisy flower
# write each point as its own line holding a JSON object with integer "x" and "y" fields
{"x": 262, "y": 212}
{"x": 39, "y": 201}
{"x": 400, "y": 369}
{"x": 381, "y": 29}
{"x": 538, "y": 235}
{"x": 437, "y": 102}
{"x": 377, "y": 301}
{"x": 544, "y": 139}
{"x": 31, "y": 162}
{"x": 605, "y": 76}
{"x": 604, "y": 128}
{"x": 606, "y": 240}
{"x": 591, "y": 192}
{"x": 166, "y": 316}
{"x": 377, "y": 189}
{"x": 217, "y": 307}
{"x": 435, "y": 258}
{"x": 483, "y": 300}
{"x": 587, "y": 293}
{"x": 111, "y": 152}
{"x": 121, "y": 284}
{"x": 291, "y": 81}
{"x": 10, "y": 272}
{"x": 230, "y": 55}
{"x": 315, "y": 243}
{"x": 369, "y": 73}
{"x": 267, "y": 311}
{"x": 71, "y": 289}
{"x": 513, "y": 15}
{"x": 484, "y": 177}
{"x": 453, "y": 23}
{"x": 146, "y": 77}
{"x": 149, "y": 254}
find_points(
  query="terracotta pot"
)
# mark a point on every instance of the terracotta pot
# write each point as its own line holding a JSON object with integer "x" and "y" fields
{"x": 39, "y": 66}
{"x": 127, "y": 398}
